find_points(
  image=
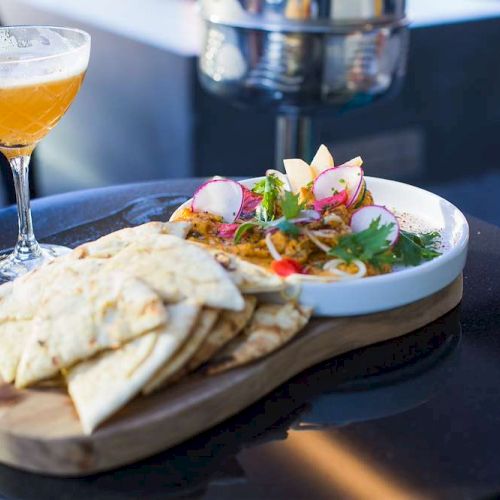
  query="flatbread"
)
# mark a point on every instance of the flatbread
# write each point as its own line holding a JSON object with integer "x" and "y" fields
{"x": 174, "y": 366}
{"x": 248, "y": 277}
{"x": 228, "y": 326}
{"x": 272, "y": 326}
{"x": 19, "y": 302}
{"x": 110, "y": 244}
{"x": 177, "y": 269}
{"x": 20, "y": 299}
{"x": 13, "y": 337}
{"x": 101, "y": 386}
{"x": 81, "y": 314}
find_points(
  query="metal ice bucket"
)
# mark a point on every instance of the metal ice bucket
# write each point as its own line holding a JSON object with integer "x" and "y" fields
{"x": 297, "y": 57}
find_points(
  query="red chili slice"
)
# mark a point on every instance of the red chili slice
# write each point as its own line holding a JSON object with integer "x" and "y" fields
{"x": 286, "y": 266}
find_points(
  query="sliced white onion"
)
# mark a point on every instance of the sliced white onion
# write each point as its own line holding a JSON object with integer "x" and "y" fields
{"x": 332, "y": 267}
{"x": 324, "y": 233}
{"x": 272, "y": 249}
{"x": 318, "y": 243}
{"x": 304, "y": 216}
{"x": 310, "y": 214}
{"x": 332, "y": 218}
{"x": 300, "y": 220}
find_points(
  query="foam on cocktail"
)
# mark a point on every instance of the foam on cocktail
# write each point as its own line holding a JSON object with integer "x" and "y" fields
{"x": 32, "y": 64}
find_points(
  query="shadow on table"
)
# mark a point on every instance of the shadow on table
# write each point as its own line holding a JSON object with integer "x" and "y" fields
{"x": 405, "y": 369}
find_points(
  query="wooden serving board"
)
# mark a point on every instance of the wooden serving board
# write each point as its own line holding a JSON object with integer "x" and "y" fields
{"x": 40, "y": 431}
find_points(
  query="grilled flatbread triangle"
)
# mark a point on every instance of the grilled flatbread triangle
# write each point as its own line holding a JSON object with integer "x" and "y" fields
{"x": 272, "y": 326}
{"x": 178, "y": 270}
{"x": 110, "y": 244}
{"x": 102, "y": 385}
{"x": 13, "y": 338}
{"x": 228, "y": 326}
{"x": 248, "y": 277}
{"x": 174, "y": 366}
{"x": 20, "y": 299}
{"x": 81, "y": 315}
{"x": 19, "y": 302}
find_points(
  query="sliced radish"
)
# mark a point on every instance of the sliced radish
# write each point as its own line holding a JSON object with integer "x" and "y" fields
{"x": 355, "y": 162}
{"x": 323, "y": 160}
{"x": 362, "y": 218}
{"x": 281, "y": 176}
{"x": 299, "y": 174}
{"x": 332, "y": 201}
{"x": 359, "y": 198}
{"x": 335, "y": 180}
{"x": 222, "y": 197}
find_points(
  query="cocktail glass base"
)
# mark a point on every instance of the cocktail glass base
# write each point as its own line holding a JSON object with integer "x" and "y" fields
{"x": 12, "y": 266}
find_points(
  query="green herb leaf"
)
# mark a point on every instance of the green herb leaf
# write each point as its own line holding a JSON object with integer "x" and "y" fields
{"x": 412, "y": 249}
{"x": 288, "y": 227}
{"x": 260, "y": 186}
{"x": 242, "y": 230}
{"x": 290, "y": 205}
{"x": 269, "y": 188}
{"x": 369, "y": 246}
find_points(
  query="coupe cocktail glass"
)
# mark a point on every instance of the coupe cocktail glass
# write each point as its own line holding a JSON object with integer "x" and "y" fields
{"x": 41, "y": 71}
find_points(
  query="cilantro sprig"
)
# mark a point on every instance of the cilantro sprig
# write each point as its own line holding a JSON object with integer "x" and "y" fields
{"x": 290, "y": 205}
{"x": 269, "y": 188}
{"x": 369, "y": 246}
{"x": 372, "y": 246}
{"x": 412, "y": 249}
{"x": 242, "y": 230}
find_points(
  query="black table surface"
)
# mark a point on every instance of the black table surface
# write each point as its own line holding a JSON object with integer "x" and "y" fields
{"x": 418, "y": 416}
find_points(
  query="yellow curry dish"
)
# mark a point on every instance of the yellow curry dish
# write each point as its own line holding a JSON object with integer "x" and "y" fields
{"x": 318, "y": 220}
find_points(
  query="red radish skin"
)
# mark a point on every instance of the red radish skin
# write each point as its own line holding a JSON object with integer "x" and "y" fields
{"x": 227, "y": 231}
{"x": 250, "y": 201}
{"x": 363, "y": 217}
{"x": 222, "y": 197}
{"x": 332, "y": 201}
{"x": 354, "y": 199}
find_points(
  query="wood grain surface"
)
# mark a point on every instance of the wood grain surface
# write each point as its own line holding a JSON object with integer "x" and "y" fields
{"x": 40, "y": 431}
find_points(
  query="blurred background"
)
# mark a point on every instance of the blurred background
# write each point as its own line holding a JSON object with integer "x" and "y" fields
{"x": 142, "y": 114}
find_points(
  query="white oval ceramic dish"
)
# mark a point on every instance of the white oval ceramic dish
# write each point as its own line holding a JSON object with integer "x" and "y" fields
{"x": 418, "y": 210}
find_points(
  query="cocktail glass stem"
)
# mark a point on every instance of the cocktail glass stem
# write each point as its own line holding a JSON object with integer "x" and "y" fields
{"x": 26, "y": 247}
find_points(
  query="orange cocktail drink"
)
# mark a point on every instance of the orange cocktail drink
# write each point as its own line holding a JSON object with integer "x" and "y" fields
{"x": 29, "y": 112}
{"x": 41, "y": 71}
